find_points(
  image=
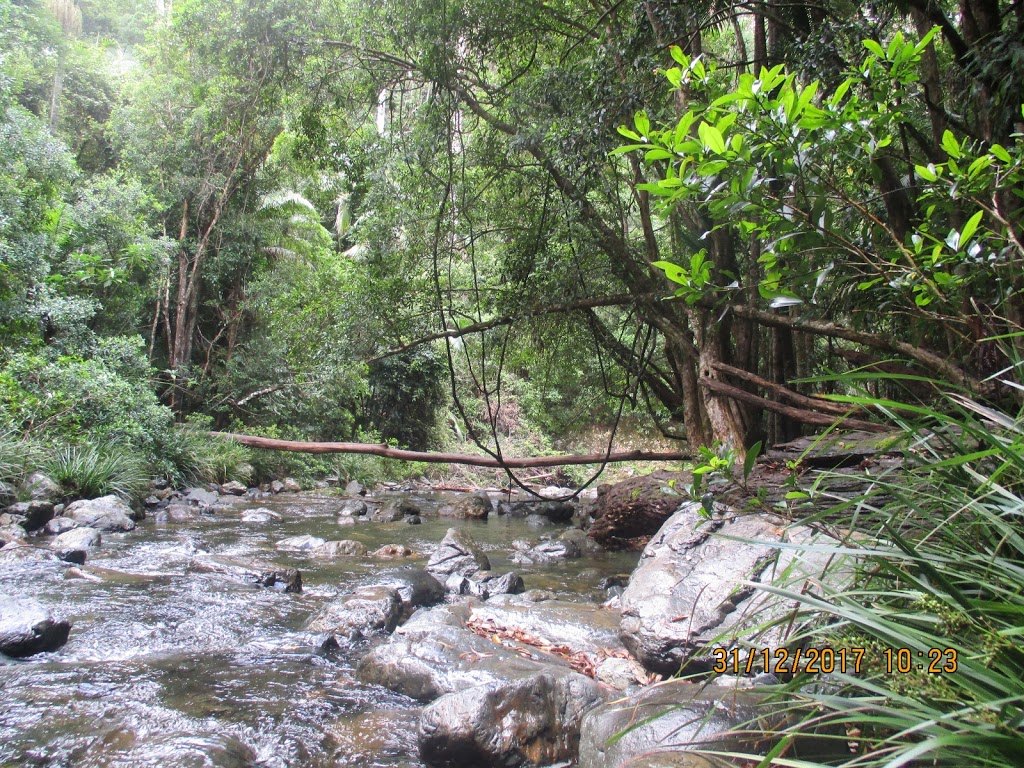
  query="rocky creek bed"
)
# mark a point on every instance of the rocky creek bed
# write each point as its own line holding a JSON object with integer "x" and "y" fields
{"x": 430, "y": 629}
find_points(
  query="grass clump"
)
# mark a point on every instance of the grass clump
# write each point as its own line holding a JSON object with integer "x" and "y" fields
{"x": 940, "y": 546}
{"x": 87, "y": 470}
{"x": 18, "y": 457}
{"x": 192, "y": 456}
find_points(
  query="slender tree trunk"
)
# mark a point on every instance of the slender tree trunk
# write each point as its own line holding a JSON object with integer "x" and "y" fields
{"x": 58, "y": 88}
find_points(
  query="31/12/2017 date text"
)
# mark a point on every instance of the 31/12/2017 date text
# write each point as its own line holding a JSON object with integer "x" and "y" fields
{"x": 782, "y": 661}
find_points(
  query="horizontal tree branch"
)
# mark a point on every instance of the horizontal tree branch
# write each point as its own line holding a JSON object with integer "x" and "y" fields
{"x": 388, "y": 452}
{"x": 810, "y": 403}
{"x": 617, "y": 300}
{"x": 798, "y": 414}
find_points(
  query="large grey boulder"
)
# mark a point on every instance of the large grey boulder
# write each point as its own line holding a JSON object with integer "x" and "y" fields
{"x": 364, "y": 612}
{"x": 200, "y": 497}
{"x": 529, "y": 720}
{"x": 107, "y": 513}
{"x": 696, "y": 586}
{"x": 59, "y": 525}
{"x": 457, "y": 553}
{"x": 27, "y": 628}
{"x": 73, "y": 545}
{"x": 233, "y": 488}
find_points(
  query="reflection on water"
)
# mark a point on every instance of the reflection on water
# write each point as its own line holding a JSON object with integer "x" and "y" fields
{"x": 173, "y": 663}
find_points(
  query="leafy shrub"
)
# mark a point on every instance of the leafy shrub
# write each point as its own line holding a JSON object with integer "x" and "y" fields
{"x": 107, "y": 396}
{"x": 89, "y": 470}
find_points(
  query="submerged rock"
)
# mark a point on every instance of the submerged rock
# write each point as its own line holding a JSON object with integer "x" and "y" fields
{"x": 392, "y": 552}
{"x": 185, "y": 750}
{"x": 457, "y": 554}
{"x": 300, "y": 543}
{"x": 27, "y": 628}
{"x": 107, "y": 513}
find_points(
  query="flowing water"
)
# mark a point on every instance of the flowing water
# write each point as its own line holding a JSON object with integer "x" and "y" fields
{"x": 172, "y": 664}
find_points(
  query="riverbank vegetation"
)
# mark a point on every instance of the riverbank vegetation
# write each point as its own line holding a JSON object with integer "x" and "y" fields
{"x": 500, "y": 227}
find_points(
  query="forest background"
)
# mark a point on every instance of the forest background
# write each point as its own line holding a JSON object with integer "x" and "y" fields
{"x": 505, "y": 222}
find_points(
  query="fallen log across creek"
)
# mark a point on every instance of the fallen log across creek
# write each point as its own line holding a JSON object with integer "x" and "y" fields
{"x": 387, "y": 451}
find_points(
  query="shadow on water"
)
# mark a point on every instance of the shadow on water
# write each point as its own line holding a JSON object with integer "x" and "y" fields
{"x": 170, "y": 664}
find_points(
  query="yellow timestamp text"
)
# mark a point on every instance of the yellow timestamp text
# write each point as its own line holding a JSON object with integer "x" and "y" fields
{"x": 784, "y": 661}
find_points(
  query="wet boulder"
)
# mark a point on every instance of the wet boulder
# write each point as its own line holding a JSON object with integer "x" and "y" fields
{"x": 528, "y": 720}
{"x": 304, "y": 543}
{"x": 42, "y": 487}
{"x": 394, "y": 510}
{"x": 457, "y": 553}
{"x": 107, "y": 513}
{"x": 627, "y": 514}
{"x": 234, "y": 488}
{"x": 340, "y": 548}
{"x": 11, "y": 531}
{"x": 73, "y": 546}
{"x": 287, "y": 580}
{"x": 34, "y": 514}
{"x": 352, "y": 508}
{"x": 364, "y": 612}
{"x": 475, "y": 506}
{"x": 27, "y": 628}
{"x": 416, "y": 588}
{"x": 291, "y": 485}
{"x": 200, "y": 497}
{"x": 353, "y": 488}
{"x": 484, "y": 584}
{"x": 259, "y": 515}
{"x": 547, "y": 552}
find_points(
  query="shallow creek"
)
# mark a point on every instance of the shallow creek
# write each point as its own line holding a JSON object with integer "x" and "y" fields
{"x": 169, "y": 664}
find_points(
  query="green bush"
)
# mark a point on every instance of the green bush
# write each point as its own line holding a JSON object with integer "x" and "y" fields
{"x": 108, "y": 396}
{"x": 89, "y": 470}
